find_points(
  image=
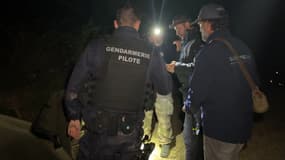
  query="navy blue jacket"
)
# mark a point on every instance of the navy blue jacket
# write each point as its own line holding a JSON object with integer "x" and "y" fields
{"x": 92, "y": 59}
{"x": 218, "y": 85}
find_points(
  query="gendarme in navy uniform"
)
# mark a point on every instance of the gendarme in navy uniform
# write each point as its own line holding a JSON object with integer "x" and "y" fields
{"x": 107, "y": 91}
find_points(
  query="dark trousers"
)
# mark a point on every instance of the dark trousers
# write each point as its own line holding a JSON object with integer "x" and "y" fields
{"x": 193, "y": 143}
{"x": 104, "y": 147}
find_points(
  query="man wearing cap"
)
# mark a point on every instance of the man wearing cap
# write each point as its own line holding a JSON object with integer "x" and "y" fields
{"x": 188, "y": 48}
{"x": 218, "y": 85}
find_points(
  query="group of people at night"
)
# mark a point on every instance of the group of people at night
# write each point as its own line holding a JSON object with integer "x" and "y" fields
{"x": 122, "y": 79}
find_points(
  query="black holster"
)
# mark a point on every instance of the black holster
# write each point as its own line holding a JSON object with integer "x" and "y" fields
{"x": 110, "y": 123}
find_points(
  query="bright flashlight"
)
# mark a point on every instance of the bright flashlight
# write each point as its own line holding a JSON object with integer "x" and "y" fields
{"x": 157, "y": 31}
{"x": 156, "y": 36}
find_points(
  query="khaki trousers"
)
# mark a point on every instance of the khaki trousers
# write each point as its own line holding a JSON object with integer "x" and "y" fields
{"x": 219, "y": 150}
{"x": 164, "y": 110}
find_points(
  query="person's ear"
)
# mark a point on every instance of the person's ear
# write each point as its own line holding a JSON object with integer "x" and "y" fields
{"x": 116, "y": 25}
{"x": 137, "y": 25}
{"x": 188, "y": 25}
{"x": 208, "y": 27}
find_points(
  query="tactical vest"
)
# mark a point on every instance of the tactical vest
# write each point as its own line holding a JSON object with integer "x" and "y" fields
{"x": 121, "y": 85}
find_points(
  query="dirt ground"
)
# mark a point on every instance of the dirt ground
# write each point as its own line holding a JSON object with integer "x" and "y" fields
{"x": 268, "y": 136}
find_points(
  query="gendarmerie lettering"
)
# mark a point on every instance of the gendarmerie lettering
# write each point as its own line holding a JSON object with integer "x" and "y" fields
{"x": 129, "y": 59}
{"x": 127, "y": 52}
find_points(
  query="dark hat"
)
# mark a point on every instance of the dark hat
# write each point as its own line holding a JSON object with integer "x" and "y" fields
{"x": 211, "y": 12}
{"x": 177, "y": 20}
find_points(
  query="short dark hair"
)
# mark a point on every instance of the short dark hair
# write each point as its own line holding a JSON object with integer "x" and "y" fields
{"x": 127, "y": 15}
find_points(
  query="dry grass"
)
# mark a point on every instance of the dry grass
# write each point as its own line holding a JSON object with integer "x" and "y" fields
{"x": 268, "y": 138}
{"x": 267, "y": 142}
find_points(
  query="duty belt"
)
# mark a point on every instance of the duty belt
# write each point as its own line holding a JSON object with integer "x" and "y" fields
{"x": 109, "y": 123}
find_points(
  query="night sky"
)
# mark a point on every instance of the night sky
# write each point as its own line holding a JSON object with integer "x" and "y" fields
{"x": 260, "y": 23}
{"x": 41, "y": 40}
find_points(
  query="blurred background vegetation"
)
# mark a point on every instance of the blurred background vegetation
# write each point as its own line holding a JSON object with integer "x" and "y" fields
{"x": 36, "y": 64}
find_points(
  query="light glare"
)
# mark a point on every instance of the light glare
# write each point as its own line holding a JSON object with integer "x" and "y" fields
{"x": 157, "y": 31}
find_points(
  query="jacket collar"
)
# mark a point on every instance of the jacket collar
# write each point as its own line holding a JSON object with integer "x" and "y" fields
{"x": 218, "y": 34}
{"x": 126, "y": 31}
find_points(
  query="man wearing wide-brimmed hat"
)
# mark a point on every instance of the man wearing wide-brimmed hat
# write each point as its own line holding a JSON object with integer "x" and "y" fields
{"x": 188, "y": 47}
